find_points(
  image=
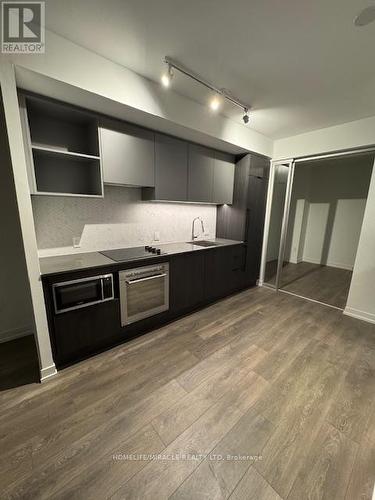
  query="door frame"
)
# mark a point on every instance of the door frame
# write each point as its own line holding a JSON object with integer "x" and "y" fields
{"x": 290, "y": 163}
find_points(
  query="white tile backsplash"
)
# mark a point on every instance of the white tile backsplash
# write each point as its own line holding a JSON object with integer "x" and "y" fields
{"x": 120, "y": 219}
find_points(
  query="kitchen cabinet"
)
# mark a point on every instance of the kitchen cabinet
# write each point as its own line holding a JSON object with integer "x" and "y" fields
{"x": 211, "y": 176}
{"x": 196, "y": 279}
{"x": 222, "y": 192}
{"x": 223, "y": 271}
{"x": 255, "y": 225}
{"x": 188, "y": 172}
{"x": 171, "y": 170}
{"x": 76, "y": 334}
{"x": 204, "y": 276}
{"x": 186, "y": 281}
{"x": 128, "y": 154}
{"x": 71, "y": 152}
{"x": 62, "y": 148}
{"x": 244, "y": 220}
{"x": 201, "y": 173}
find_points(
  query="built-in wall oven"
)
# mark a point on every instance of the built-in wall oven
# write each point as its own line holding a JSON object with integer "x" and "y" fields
{"x": 144, "y": 291}
{"x": 74, "y": 294}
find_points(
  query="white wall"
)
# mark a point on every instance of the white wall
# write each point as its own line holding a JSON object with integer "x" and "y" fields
{"x": 16, "y": 314}
{"x": 356, "y": 134}
{"x": 361, "y": 300}
{"x": 118, "y": 220}
{"x": 333, "y": 207}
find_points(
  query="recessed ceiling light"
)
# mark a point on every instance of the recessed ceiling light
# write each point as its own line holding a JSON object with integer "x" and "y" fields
{"x": 215, "y": 103}
{"x": 365, "y": 17}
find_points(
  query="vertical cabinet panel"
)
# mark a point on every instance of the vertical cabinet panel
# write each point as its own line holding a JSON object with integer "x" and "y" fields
{"x": 171, "y": 170}
{"x": 128, "y": 154}
{"x": 244, "y": 220}
{"x": 223, "y": 179}
{"x": 231, "y": 220}
{"x": 201, "y": 173}
{"x": 224, "y": 269}
{"x": 187, "y": 281}
{"x": 257, "y": 194}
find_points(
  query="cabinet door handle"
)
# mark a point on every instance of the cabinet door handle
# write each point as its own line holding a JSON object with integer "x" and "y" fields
{"x": 246, "y": 235}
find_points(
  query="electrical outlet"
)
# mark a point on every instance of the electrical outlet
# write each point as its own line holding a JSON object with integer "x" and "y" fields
{"x": 156, "y": 236}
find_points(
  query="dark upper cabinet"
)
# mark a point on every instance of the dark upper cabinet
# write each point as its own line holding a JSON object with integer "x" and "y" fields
{"x": 201, "y": 173}
{"x": 222, "y": 192}
{"x": 211, "y": 176}
{"x": 128, "y": 154}
{"x": 67, "y": 156}
{"x": 171, "y": 170}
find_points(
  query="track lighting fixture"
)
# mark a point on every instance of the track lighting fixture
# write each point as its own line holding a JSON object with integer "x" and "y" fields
{"x": 215, "y": 102}
{"x": 166, "y": 77}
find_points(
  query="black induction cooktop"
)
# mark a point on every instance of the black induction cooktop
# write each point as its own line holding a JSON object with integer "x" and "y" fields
{"x": 135, "y": 253}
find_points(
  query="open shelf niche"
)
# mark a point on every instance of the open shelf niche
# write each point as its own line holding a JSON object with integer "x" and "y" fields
{"x": 64, "y": 144}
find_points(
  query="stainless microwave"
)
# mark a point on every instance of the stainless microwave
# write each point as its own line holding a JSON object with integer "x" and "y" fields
{"x": 74, "y": 294}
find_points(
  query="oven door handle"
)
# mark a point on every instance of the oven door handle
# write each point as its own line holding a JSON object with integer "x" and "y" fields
{"x": 139, "y": 280}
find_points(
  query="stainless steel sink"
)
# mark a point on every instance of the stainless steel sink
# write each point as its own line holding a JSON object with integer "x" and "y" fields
{"x": 204, "y": 243}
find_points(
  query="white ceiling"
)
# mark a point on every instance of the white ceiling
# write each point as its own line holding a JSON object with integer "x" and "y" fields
{"x": 301, "y": 64}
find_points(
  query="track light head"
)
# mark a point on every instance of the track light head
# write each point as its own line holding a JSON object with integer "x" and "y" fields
{"x": 246, "y": 117}
{"x": 167, "y": 76}
{"x": 365, "y": 17}
{"x": 215, "y": 103}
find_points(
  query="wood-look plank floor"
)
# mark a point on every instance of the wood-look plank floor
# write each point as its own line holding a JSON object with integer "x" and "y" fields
{"x": 326, "y": 284}
{"x": 259, "y": 396}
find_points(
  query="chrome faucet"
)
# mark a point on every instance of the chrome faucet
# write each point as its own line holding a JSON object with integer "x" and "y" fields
{"x": 193, "y": 237}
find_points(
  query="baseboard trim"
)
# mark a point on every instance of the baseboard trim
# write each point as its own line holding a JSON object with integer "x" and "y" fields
{"x": 47, "y": 372}
{"x": 358, "y": 314}
{"x": 296, "y": 261}
{"x": 15, "y": 333}
{"x": 329, "y": 264}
